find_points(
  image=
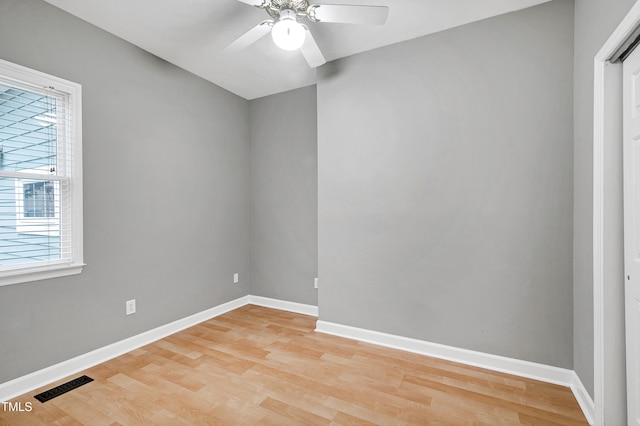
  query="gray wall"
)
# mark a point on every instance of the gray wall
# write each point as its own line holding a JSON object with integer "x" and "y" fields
{"x": 165, "y": 193}
{"x": 442, "y": 220}
{"x": 595, "y": 21}
{"x": 445, "y": 182}
{"x": 283, "y": 196}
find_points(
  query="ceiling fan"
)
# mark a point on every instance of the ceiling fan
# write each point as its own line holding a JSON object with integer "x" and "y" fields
{"x": 289, "y": 34}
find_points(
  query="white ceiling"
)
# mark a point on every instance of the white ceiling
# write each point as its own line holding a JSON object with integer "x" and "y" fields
{"x": 192, "y": 33}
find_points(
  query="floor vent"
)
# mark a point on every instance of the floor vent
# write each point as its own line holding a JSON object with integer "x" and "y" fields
{"x": 63, "y": 388}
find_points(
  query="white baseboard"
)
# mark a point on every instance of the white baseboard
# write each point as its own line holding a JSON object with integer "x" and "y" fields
{"x": 560, "y": 376}
{"x": 40, "y": 378}
{"x": 531, "y": 370}
{"x": 298, "y": 308}
{"x": 584, "y": 399}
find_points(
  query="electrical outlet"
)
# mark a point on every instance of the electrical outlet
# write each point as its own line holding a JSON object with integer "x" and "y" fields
{"x": 236, "y": 280}
{"x": 131, "y": 306}
{"x": 315, "y": 283}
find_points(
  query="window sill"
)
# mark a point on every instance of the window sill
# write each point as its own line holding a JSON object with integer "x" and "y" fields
{"x": 36, "y": 274}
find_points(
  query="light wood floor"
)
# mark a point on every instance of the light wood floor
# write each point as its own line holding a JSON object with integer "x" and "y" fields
{"x": 261, "y": 366}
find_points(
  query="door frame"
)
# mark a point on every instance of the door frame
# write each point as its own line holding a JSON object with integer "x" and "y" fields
{"x": 603, "y": 70}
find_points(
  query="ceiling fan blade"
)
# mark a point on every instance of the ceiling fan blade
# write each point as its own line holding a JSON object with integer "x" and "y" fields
{"x": 250, "y": 37}
{"x": 348, "y": 14}
{"x": 311, "y": 51}
{"x": 256, "y": 3}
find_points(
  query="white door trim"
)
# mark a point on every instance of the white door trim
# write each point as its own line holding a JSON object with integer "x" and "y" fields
{"x": 619, "y": 36}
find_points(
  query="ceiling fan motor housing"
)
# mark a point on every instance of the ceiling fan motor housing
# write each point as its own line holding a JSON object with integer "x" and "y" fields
{"x": 275, "y": 7}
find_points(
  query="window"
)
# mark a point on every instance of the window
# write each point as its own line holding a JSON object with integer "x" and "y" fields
{"x": 38, "y": 199}
{"x": 40, "y": 176}
{"x": 36, "y": 210}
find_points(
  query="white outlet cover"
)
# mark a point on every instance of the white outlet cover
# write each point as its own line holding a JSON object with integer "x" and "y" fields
{"x": 236, "y": 279}
{"x": 131, "y": 306}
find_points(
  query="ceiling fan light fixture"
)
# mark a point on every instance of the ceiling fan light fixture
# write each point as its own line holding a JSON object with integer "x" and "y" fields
{"x": 287, "y": 32}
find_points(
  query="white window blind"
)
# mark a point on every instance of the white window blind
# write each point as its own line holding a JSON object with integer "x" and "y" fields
{"x": 40, "y": 176}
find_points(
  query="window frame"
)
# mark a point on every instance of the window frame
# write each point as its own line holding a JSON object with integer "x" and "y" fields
{"x": 24, "y": 77}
